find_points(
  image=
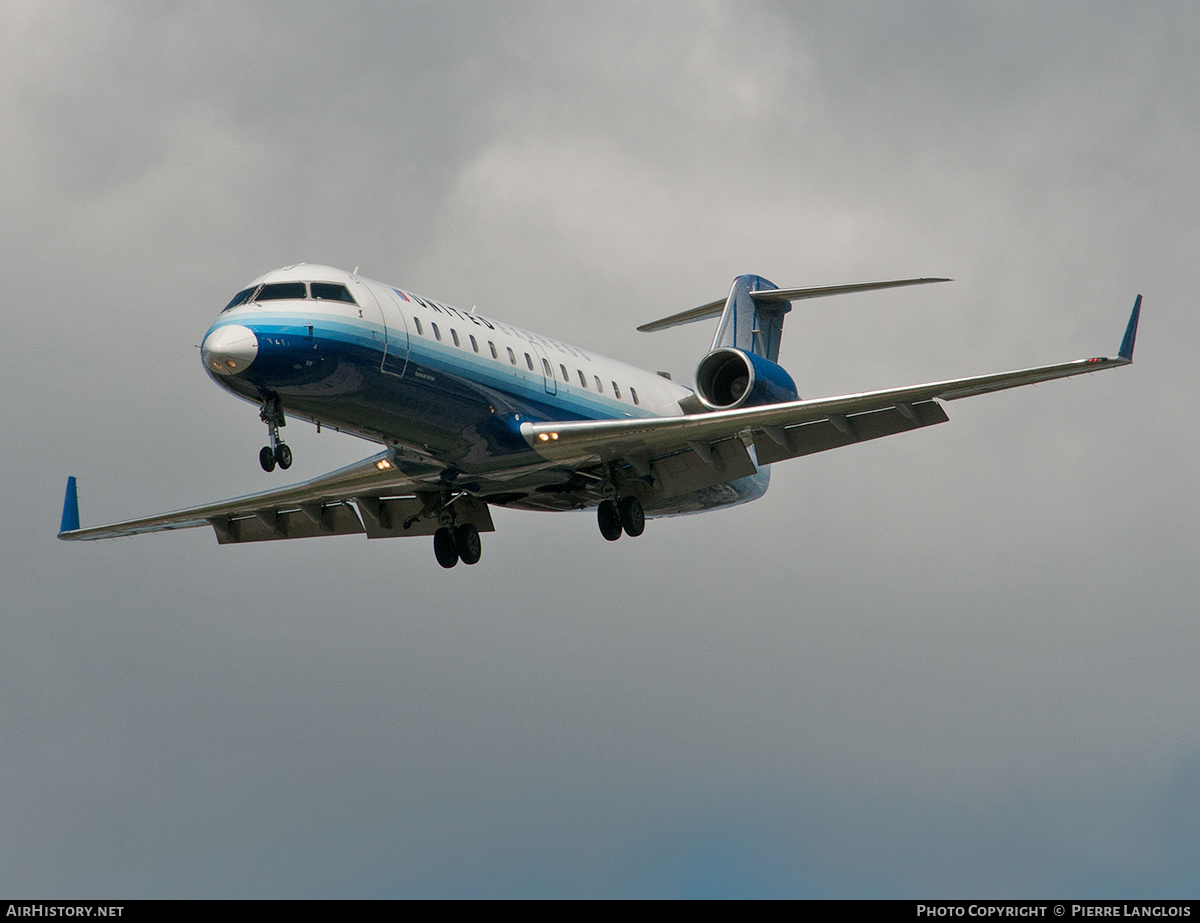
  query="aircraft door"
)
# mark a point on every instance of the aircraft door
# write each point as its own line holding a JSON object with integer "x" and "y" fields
{"x": 547, "y": 369}
{"x": 371, "y": 310}
{"x": 395, "y": 356}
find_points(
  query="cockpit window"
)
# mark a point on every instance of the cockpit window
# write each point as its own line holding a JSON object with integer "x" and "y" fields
{"x": 277, "y": 290}
{"x": 331, "y": 291}
{"x": 240, "y": 298}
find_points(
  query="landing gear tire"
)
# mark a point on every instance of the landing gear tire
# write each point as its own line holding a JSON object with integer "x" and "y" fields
{"x": 633, "y": 517}
{"x": 466, "y": 542}
{"x": 609, "y": 520}
{"x": 444, "y": 549}
{"x": 266, "y": 458}
{"x": 283, "y": 455}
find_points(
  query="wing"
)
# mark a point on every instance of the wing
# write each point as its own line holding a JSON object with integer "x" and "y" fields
{"x": 370, "y": 496}
{"x": 779, "y": 431}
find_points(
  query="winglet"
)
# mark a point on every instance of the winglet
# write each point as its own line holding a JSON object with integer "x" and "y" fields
{"x": 70, "y": 517}
{"x": 1126, "y": 351}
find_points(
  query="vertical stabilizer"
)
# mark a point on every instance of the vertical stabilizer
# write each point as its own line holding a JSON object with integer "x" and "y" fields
{"x": 749, "y": 325}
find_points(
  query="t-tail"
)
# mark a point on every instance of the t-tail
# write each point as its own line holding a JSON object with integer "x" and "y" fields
{"x": 742, "y": 367}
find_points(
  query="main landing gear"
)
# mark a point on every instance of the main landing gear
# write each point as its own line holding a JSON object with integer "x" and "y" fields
{"x": 454, "y": 542}
{"x": 621, "y": 515}
{"x": 277, "y": 453}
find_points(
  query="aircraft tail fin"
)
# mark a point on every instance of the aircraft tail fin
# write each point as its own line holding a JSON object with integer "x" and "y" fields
{"x": 752, "y": 315}
{"x": 750, "y": 323}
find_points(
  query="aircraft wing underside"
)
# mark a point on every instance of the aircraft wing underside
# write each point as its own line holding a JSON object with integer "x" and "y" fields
{"x": 370, "y": 496}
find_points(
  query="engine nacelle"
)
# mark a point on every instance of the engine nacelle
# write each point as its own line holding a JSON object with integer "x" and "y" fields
{"x": 728, "y": 378}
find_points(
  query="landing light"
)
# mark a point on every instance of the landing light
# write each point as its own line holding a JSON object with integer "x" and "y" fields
{"x": 546, "y": 437}
{"x": 231, "y": 363}
{"x": 383, "y": 464}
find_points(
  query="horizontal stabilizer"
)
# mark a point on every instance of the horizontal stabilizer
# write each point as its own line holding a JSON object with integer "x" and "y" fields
{"x": 714, "y": 308}
{"x": 799, "y": 294}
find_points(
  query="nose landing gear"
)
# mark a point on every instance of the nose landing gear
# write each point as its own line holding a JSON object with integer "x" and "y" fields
{"x": 277, "y": 453}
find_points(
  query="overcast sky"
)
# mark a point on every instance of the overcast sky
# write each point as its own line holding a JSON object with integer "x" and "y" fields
{"x": 959, "y": 662}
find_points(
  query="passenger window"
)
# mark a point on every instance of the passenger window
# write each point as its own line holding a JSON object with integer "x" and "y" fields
{"x": 529, "y": 361}
{"x": 599, "y": 387}
{"x": 492, "y": 347}
{"x": 512, "y": 357}
{"x": 329, "y": 291}
{"x": 454, "y": 336}
{"x": 549, "y": 372}
{"x": 566, "y": 377}
{"x": 617, "y": 390}
{"x": 277, "y": 291}
{"x": 582, "y": 380}
{"x": 474, "y": 345}
{"x": 436, "y": 333}
{"x": 633, "y": 394}
{"x": 417, "y": 321}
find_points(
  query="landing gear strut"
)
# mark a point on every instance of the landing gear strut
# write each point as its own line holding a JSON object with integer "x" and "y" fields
{"x": 454, "y": 542}
{"x": 277, "y": 453}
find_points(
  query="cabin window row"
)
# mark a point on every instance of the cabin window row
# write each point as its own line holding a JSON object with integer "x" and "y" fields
{"x": 478, "y": 320}
{"x": 445, "y": 309}
{"x": 512, "y": 359}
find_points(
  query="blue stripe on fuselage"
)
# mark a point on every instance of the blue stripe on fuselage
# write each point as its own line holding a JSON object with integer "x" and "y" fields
{"x": 334, "y": 375}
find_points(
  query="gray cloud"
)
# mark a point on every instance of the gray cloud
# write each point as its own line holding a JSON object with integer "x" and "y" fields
{"x": 956, "y": 663}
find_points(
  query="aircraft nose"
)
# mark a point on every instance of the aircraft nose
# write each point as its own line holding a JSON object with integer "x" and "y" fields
{"x": 229, "y": 349}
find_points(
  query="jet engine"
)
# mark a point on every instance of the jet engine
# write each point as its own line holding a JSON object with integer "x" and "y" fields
{"x": 728, "y": 378}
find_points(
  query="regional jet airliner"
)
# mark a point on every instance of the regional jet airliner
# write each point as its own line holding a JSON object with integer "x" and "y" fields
{"x": 473, "y": 413}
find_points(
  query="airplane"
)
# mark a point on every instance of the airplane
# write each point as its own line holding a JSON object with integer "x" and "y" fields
{"x": 473, "y": 413}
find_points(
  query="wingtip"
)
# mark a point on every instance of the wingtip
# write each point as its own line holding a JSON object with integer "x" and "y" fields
{"x": 1126, "y": 351}
{"x": 70, "y": 513}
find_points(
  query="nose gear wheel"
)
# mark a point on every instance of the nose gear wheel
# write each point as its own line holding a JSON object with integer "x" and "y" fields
{"x": 277, "y": 453}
